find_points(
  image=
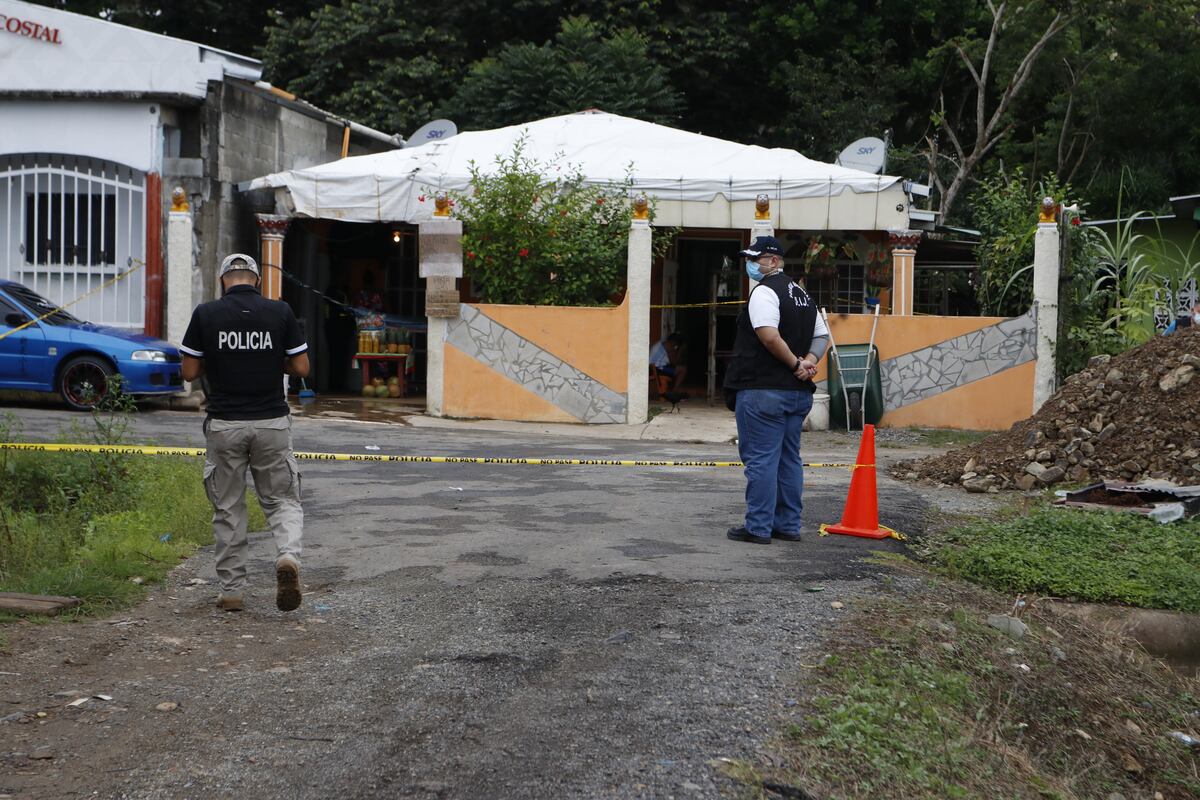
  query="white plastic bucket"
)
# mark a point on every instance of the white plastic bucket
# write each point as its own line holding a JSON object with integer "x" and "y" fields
{"x": 818, "y": 418}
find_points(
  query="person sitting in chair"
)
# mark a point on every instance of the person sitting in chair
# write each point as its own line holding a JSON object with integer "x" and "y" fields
{"x": 667, "y": 357}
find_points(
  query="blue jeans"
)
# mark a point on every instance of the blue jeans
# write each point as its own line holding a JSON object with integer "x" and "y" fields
{"x": 769, "y": 423}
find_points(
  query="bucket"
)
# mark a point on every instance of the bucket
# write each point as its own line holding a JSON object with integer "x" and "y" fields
{"x": 818, "y": 418}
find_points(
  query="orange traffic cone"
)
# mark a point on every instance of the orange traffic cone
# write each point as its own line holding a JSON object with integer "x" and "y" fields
{"x": 861, "y": 515}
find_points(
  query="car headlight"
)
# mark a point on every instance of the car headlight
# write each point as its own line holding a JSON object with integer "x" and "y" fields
{"x": 149, "y": 355}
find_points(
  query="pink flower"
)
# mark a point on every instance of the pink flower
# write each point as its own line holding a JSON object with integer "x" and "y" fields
{"x": 470, "y": 254}
{"x": 524, "y": 251}
{"x": 421, "y": 199}
{"x": 1076, "y": 221}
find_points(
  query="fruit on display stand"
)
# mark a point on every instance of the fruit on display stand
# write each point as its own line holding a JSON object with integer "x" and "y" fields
{"x": 368, "y": 391}
{"x": 393, "y": 390}
{"x": 393, "y": 381}
{"x": 381, "y": 391}
{"x": 377, "y": 382}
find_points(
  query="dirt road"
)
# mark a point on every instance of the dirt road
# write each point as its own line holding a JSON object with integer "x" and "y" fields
{"x": 466, "y": 632}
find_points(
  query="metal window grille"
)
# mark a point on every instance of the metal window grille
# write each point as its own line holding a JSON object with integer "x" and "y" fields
{"x": 67, "y": 225}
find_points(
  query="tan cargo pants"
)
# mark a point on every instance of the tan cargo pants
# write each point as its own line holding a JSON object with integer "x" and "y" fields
{"x": 265, "y": 446}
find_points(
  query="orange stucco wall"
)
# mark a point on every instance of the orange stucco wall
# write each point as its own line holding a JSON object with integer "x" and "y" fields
{"x": 473, "y": 391}
{"x": 593, "y": 340}
{"x": 896, "y": 336}
{"x": 993, "y": 403}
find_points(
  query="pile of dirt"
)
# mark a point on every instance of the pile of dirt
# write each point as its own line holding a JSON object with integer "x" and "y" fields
{"x": 1128, "y": 417}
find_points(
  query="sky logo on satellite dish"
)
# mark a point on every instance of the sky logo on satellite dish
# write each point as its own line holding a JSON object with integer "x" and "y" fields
{"x": 434, "y": 131}
{"x": 868, "y": 154}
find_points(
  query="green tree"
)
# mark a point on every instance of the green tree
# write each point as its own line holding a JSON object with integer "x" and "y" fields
{"x": 233, "y": 25}
{"x": 530, "y": 239}
{"x": 580, "y": 69}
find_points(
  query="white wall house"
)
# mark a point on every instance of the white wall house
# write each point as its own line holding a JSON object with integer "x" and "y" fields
{"x": 99, "y": 122}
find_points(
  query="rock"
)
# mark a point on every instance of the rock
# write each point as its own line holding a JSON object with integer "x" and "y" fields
{"x": 947, "y": 646}
{"x": 1115, "y": 795}
{"x": 911, "y": 476}
{"x": 1052, "y": 475}
{"x": 836, "y": 605}
{"x": 1026, "y": 482}
{"x": 966, "y": 476}
{"x": 1114, "y": 375}
{"x": 977, "y": 485}
{"x": 1099, "y": 361}
{"x": 1008, "y": 625}
{"x": 279, "y": 670}
{"x": 1132, "y": 727}
{"x": 1044, "y": 456}
{"x": 1191, "y": 359}
{"x": 1097, "y": 423}
{"x": 42, "y": 754}
{"x": 1180, "y": 376}
{"x": 1034, "y": 468}
{"x": 1131, "y": 466}
{"x": 1087, "y": 448}
{"x": 620, "y": 637}
{"x": 167, "y": 706}
{"x": 1057, "y": 655}
{"x": 1108, "y": 431}
{"x": 969, "y": 466}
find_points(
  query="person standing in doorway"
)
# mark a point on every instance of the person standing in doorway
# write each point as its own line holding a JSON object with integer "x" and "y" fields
{"x": 780, "y": 339}
{"x": 244, "y": 343}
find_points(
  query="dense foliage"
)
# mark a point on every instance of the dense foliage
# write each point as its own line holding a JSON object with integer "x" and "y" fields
{"x": 1110, "y": 88}
{"x": 538, "y": 241}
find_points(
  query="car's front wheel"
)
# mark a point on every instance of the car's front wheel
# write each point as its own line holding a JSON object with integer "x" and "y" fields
{"x": 83, "y": 382}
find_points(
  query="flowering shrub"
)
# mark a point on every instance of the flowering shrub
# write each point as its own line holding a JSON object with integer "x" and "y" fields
{"x": 533, "y": 240}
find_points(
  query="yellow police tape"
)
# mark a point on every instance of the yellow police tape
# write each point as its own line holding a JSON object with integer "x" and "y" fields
{"x": 137, "y": 264}
{"x": 147, "y": 450}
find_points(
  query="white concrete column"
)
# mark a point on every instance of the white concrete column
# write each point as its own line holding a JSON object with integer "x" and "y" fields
{"x": 272, "y": 228}
{"x": 760, "y": 227}
{"x": 435, "y": 366}
{"x": 180, "y": 268}
{"x": 904, "y": 261}
{"x": 1045, "y": 307}
{"x": 638, "y": 296}
{"x": 441, "y": 265}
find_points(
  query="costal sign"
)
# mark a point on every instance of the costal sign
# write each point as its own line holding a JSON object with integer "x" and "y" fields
{"x": 29, "y": 29}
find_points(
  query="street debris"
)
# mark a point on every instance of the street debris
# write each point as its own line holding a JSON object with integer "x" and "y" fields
{"x": 43, "y": 604}
{"x": 1185, "y": 739}
{"x": 1123, "y": 418}
{"x": 167, "y": 706}
{"x": 1162, "y": 501}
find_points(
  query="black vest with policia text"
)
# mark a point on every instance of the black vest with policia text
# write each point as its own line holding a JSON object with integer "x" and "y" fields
{"x": 244, "y": 340}
{"x": 752, "y": 365}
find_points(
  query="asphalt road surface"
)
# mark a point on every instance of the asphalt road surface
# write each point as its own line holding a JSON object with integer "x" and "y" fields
{"x": 467, "y": 631}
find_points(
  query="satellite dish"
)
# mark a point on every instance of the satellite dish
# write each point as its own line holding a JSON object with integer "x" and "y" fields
{"x": 868, "y": 154}
{"x": 434, "y": 131}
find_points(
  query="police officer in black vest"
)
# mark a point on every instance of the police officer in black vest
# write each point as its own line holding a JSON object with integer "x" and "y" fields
{"x": 244, "y": 344}
{"x": 780, "y": 339}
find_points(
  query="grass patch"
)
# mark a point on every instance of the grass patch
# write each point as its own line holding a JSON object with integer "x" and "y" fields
{"x": 919, "y": 698}
{"x": 950, "y": 437}
{"x": 1094, "y": 556}
{"x": 99, "y": 527}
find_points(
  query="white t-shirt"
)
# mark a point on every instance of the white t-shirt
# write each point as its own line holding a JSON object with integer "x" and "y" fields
{"x": 764, "y": 312}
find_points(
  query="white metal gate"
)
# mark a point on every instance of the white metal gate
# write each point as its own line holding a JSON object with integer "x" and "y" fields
{"x": 68, "y": 224}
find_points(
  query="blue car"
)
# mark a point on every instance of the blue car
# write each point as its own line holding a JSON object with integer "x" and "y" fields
{"x": 62, "y": 354}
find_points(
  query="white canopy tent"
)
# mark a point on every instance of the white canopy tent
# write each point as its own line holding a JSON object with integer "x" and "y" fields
{"x": 697, "y": 181}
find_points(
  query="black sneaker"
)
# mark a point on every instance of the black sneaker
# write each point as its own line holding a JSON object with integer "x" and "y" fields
{"x": 743, "y": 535}
{"x": 787, "y": 537}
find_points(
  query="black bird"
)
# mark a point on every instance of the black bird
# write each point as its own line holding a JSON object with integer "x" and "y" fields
{"x": 674, "y": 398}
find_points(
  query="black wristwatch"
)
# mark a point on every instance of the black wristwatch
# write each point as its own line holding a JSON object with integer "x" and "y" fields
{"x": 796, "y": 366}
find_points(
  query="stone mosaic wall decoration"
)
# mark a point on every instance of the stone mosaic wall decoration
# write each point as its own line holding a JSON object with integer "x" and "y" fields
{"x": 540, "y": 372}
{"x": 956, "y": 362}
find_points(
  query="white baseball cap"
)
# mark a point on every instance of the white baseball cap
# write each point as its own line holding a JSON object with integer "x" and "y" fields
{"x": 238, "y": 261}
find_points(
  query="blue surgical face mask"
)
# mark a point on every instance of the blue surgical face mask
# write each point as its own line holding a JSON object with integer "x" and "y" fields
{"x": 753, "y": 271}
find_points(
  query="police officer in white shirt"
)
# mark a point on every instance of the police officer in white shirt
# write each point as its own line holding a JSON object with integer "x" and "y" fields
{"x": 780, "y": 339}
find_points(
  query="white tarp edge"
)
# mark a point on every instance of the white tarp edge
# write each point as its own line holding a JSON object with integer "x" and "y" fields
{"x": 667, "y": 164}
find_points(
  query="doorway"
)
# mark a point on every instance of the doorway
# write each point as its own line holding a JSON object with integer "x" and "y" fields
{"x": 707, "y": 283}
